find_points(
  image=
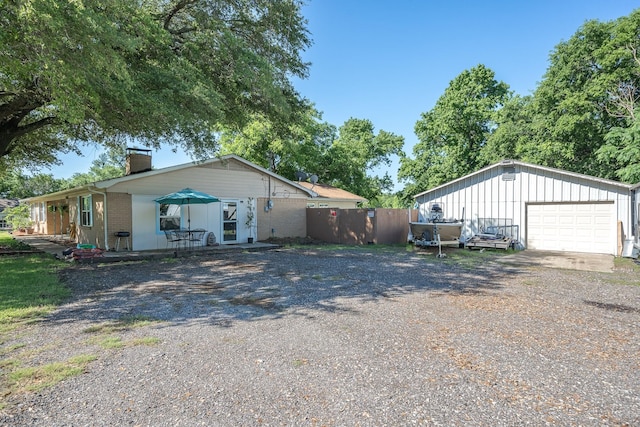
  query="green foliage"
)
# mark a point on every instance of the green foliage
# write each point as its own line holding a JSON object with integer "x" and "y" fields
{"x": 340, "y": 158}
{"x": 390, "y": 201}
{"x": 453, "y": 134}
{"x": 283, "y": 149}
{"x": 513, "y": 131}
{"x": 110, "y": 71}
{"x": 358, "y": 150}
{"x": 18, "y": 217}
{"x": 622, "y": 146}
{"x": 16, "y": 185}
{"x": 582, "y": 115}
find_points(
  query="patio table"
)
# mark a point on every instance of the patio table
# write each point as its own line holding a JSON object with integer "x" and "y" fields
{"x": 190, "y": 238}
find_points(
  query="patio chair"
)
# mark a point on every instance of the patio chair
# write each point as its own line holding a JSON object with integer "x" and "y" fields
{"x": 172, "y": 238}
{"x": 196, "y": 236}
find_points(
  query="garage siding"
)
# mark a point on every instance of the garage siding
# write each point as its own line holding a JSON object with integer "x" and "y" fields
{"x": 484, "y": 197}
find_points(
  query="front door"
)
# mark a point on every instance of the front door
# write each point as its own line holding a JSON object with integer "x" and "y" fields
{"x": 229, "y": 222}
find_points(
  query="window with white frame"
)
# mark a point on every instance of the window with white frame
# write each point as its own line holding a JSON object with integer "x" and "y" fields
{"x": 169, "y": 217}
{"x": 86, "y": 211}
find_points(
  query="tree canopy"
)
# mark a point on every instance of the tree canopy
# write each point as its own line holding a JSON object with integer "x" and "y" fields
{"x": 452, "y": 135}
{"x": 339, "y": 157}
{"x": 581, "y": 116}
{"x": 157, "y": 71}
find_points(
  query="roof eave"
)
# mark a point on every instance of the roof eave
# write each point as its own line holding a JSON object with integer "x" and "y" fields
{"x": 519, "y": 163}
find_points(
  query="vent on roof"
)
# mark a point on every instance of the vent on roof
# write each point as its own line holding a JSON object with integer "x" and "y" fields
{"x": 508, "y": 173}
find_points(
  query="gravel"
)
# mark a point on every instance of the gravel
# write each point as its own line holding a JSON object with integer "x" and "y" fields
{"x": 338, "y": 338}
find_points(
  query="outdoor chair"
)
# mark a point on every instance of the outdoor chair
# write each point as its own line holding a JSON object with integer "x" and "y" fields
{"x": 196, "y": 236}
{"x": 172, "y": 238}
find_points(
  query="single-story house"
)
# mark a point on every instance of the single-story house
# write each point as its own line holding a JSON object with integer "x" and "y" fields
{"x": 4, "y": 204}
{"x": 541, "y": 208}
{"x": 94, "y": 213}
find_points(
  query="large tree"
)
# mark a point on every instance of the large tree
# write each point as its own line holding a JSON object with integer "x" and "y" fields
{"x": 452, "y": 135}
{"x": 157, "y": 71}
{"x": 281, "y": 149}
{"x": 621, "y": 146}
{"x": 357, "y": 151}
{"x": 17, "y": 185}
{"x": 341, "y": 157}
{"x": 582, "y": 116}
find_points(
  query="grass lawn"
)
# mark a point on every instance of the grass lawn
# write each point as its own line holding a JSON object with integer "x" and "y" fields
{"x": 29, "y": 286}
{"x": 29, "y": 289}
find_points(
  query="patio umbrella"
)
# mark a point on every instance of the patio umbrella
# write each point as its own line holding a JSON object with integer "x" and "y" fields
{"x": 188, "y": 197}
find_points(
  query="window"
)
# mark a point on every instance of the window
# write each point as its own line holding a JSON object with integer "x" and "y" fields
{"x": 41, "y": 212}
{"x": 86, "y": 211}
{"x": 169, "y": 217}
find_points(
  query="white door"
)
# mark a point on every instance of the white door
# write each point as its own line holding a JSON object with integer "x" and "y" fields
{"x": 229, "y": 222}
{"x": 572, "y": 227}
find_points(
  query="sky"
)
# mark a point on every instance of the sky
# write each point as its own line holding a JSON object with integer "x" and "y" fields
{"x": 389, "y": 61}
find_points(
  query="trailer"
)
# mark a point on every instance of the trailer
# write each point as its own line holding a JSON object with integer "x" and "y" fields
{"x": 491, "y": 241}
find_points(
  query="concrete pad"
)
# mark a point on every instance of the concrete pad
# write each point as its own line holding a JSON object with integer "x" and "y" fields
{"x": 561, "y": 260}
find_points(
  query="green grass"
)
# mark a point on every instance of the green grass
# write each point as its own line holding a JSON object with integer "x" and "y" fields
{"x": 7, "y": 241}
{"x": 109, "y": 342}
{"x": 29, "y": 288}
{"x": 122, "y": 324}
{"x": 108, "y": 339}
{"x": 626, "y": 264}
{"x": 465, "y": 257}
{"x": 38, "y": 377}
{"x": 148, "y": 341}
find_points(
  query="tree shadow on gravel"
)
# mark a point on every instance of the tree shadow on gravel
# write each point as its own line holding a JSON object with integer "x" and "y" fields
{"x": 264, "y": 285}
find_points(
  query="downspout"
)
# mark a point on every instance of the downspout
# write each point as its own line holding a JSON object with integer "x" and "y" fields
{"x": 106, "y": 231}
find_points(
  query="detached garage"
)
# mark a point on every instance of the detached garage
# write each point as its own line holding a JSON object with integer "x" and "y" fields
{"x": 541, "y": 208}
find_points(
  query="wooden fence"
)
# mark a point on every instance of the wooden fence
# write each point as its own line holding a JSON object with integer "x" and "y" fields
{"x": 359, "y": 226}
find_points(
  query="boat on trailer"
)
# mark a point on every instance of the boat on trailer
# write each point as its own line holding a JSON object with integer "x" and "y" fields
{"x": 436, "y": 231}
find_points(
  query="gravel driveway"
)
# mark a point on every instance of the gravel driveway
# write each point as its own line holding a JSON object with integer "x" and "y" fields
{"x": 340, "y": 338}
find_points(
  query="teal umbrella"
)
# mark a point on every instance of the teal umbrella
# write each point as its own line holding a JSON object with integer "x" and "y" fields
{"x": 188, "y": 197}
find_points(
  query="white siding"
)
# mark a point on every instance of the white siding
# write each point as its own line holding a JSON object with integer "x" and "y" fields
{"x": 484, "y": 195}
{"x": 230, "y": 181}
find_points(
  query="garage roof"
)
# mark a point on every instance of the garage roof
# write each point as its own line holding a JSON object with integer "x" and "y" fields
{"x": 532, "y": 166}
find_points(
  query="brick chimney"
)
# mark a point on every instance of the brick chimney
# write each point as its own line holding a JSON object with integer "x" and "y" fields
{"x": 138, "y": 160}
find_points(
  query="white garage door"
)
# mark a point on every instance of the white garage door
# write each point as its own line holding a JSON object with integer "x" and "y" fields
{"x": 571, "y": 227}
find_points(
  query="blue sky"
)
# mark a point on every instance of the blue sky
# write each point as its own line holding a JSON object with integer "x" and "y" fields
{"x": 389, "y": 61}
